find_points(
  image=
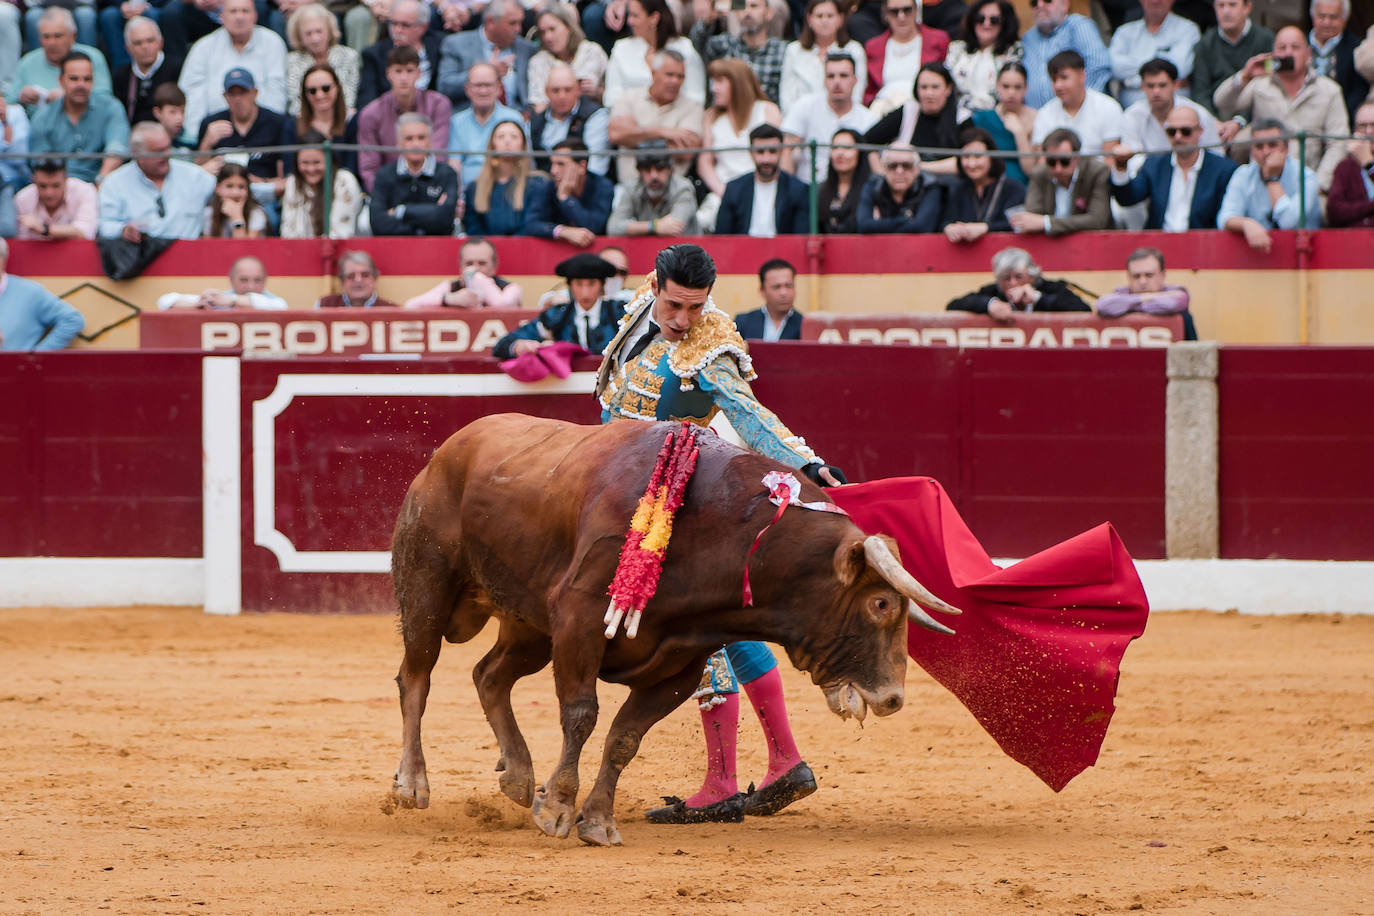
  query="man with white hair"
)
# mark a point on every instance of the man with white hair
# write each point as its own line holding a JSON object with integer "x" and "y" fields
{"x": 660, "y": 112}
{"x": 498, "y": 43}
{"x": 570, "y": 114}
{"x": 148, "y": 67}
{"x": 1018, "y": 286}
{"x": 470, "y": 129}
{"x": 1333, "y": 50}
{"x": 154, "y": 195}
{"x": 31, "y": 318}
{"x": 247, "y": 290}
{"x": 114, "y": 23}
{"x": 36, "y": 79}
{"x": 239, "y": 43}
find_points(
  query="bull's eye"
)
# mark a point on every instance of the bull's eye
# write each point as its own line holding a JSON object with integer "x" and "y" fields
{"x": 880, "y": 604}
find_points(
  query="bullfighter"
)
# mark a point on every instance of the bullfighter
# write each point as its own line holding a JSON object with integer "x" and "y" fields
{"x": 677, "y": 356}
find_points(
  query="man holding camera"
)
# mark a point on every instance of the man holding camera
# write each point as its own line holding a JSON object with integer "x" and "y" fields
{"x": 1280, "y": 85}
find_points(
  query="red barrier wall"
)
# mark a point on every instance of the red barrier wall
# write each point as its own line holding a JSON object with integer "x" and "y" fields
{"x": 1297, "y": 451}
{"x": 101, "y": 452}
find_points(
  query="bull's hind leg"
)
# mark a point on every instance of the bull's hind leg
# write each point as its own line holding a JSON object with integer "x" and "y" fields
{"x": 576, "y": 661}
{"x": 643, "y": 709}
{"x": 520, "y": 650}
{"x": 425, "y": 595}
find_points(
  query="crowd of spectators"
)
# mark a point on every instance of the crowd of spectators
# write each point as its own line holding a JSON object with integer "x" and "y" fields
{"x": 571, "y": 120}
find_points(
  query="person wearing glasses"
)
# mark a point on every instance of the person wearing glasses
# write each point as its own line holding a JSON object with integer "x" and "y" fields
{"x": 1267, "y": 192}
{"x": 1143, "y": 125}
{"x": 896, "y": 55}
{"x": 405, "y": 29}
{"x": 1351, "y": 201}
{"x": 902, "y": 199}
{"x": 1056, "y": 30}
{"x": 1184, "y": 187}
{"x": 154, "y": 195}
{"x": 1069, "y": 193}
{"x": 991, "y": 39}
{"x": 1286, "y": 87}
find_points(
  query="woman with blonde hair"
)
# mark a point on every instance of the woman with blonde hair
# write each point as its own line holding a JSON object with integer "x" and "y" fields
{"x": 314, "y": 37}
{"x": 496, "y": 199}
{"x": 738, "y": 105}
{"x": 561, "y": 41}
{"x": 302, "y": 204}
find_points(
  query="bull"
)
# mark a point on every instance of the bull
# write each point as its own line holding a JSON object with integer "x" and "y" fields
{"x": 523, "y": 519}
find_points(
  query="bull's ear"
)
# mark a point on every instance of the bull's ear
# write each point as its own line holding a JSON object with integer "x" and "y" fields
{"x": 850, "y": 561}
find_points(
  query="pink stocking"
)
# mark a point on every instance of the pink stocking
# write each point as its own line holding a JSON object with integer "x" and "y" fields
{"x": 765, "y": 692}
{"x": 721, "y": 725}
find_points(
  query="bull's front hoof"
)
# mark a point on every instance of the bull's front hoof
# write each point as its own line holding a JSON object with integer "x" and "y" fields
{"x": 410, "y": 794}
{"x": 594, "y": 833}
{"x": 518, "y": 787}
{"x": 552, "y": 816}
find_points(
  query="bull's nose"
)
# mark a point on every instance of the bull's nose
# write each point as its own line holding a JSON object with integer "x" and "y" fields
{"x": 889, "y": 704}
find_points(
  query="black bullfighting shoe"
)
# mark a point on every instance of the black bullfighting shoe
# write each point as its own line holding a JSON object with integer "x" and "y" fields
{"x": 726, "y": 811}
{"x": 796, "y": 783}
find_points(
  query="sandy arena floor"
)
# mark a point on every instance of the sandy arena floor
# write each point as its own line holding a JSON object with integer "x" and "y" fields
{"x": 163, "y": 761}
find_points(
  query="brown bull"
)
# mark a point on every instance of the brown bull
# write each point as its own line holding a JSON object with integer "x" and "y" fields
{"x": 523, "y": 519}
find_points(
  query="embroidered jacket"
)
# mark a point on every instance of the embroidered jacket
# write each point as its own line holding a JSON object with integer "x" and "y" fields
{"x": 705, "y": 373}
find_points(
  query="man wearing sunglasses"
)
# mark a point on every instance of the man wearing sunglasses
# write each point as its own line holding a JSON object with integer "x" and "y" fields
{"x": 1143, "y": 127}
{"x": 154, "y": 195}
{"x": 896, "y": 55}
{"x": 1265, "y": 193}
{"x": 1055, "y": 30}
{"x": 1184, "y": 187}
{"x": 1068, "y": 193}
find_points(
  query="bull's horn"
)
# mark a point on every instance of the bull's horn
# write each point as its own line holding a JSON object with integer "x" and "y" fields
{"x": 882, "y": 560}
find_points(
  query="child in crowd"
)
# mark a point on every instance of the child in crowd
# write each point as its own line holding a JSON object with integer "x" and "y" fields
{"x": 169, "y": 107}
{"x": 232, "y": 212}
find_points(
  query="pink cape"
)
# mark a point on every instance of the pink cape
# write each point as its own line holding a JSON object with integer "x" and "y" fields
{"x": 1036, "y": 654}
{"x": 555, "y": 358}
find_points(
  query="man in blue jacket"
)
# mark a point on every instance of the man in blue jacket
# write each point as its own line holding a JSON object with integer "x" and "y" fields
{"x": 576, "y": 204}
{"x": 777, "y": 319}
{"x": 1201, "y": 176}
{"x": 770, "y": 201}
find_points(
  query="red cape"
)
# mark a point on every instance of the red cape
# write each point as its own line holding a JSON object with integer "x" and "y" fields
{"x": 1036, "y": 654}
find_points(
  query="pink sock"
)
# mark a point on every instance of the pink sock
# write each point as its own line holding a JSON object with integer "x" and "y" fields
{"x": 721, "y": 725}
{"x": 765, "y": 692}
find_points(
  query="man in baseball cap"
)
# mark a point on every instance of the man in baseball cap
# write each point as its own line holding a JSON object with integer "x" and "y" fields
{"x": 245, "y": 124}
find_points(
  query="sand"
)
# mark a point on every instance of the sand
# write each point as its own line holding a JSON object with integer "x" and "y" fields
{"x": 159, "y": 760}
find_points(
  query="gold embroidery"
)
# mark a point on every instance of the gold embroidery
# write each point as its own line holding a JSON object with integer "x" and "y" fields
{"x": 712, "y": 335}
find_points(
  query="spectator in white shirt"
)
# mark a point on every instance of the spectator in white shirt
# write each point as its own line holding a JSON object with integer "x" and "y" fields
{"x": 1161, "y": 33}
{"x": 803, "y": 63}
{"x": 818, "y": 115}
{"x": 241, "y": 42}
{"x": 247, "y": 290}
{"x": 1143, "y": 126}
{"x": 1094, "y": 117}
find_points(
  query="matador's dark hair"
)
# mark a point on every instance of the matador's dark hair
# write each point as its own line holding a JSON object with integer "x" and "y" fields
{"x": 686, "y": 265}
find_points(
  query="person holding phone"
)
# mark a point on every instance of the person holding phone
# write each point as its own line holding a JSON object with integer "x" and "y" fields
{"x": 1280, "y": 85}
